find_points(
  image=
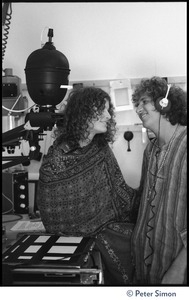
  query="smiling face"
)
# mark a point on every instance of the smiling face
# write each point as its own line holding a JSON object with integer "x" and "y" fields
{"x": 147, "y": 113}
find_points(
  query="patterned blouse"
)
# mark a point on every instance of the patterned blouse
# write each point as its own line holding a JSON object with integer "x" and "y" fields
{"x": 81, "y": 190}
{"x": 160, "y": 232}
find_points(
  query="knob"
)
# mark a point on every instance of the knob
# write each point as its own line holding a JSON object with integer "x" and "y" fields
{"x": 22, "y": 187}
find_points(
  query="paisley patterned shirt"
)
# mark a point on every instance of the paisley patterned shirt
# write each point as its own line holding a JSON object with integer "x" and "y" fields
{"x": 82, "y": 190}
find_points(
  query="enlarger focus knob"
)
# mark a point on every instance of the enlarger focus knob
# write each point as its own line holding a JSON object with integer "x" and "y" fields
{"x": 22, "y": 187}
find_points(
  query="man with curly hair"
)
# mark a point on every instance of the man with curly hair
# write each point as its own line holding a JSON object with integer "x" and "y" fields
{"x": 81, "y": 190}
{"x": 159, "y": 237}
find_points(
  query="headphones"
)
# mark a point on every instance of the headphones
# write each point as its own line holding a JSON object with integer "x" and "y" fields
{"x": 163, "y": 105}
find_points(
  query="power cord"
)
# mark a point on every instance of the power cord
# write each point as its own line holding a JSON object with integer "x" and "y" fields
{"x": 154, "y": 193}
{"x": 6, "y": 30}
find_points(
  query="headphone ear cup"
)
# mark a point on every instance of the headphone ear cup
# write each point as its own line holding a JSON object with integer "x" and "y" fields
{"x": 162, "y": 109}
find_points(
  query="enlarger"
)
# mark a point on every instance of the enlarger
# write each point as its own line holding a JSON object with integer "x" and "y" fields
{"x": 44, "y": 259}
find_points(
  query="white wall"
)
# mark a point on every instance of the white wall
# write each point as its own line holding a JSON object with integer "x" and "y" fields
{"x": 103, "y": 40}
{"x": 130, "y": 162}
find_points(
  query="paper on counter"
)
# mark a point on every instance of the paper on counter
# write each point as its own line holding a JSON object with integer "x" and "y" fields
{"x": 28, "y": 226}
{"x": 62, "y": 249}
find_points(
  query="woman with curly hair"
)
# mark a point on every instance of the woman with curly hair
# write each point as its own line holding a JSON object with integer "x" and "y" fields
{"x": 159, "y": 237}
{"x": 81, "y": 190}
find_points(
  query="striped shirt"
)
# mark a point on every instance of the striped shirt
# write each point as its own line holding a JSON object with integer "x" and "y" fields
{"x": 160, "y": 231}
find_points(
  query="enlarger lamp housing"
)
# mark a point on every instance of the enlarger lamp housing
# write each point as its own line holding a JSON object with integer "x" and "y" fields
{"x": 46, "y": 70}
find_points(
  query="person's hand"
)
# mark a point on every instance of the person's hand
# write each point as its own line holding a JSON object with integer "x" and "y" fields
{"x": 173, "y": 276}
{"x": 177, "y": 271}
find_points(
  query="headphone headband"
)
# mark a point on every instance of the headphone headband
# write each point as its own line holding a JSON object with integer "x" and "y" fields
{"x": 168, "y": 88}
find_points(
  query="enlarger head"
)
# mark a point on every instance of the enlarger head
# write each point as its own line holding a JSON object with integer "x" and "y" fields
{"x": 46, "y": 71}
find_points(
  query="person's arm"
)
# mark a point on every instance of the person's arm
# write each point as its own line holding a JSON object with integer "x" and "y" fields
{"x": 177, "y": 271}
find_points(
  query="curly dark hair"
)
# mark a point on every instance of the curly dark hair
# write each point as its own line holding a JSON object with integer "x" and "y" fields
{"x": 155, "y": 88}
{"x": 84, "y": 104}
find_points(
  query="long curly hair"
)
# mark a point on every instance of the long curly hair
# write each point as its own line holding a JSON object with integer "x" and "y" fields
{"x": 155, "y": 88}
{"x": 83, "y": 105}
